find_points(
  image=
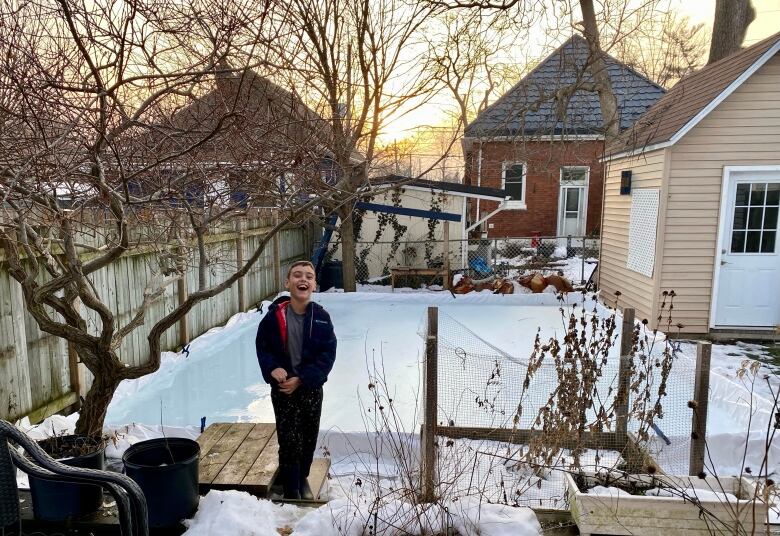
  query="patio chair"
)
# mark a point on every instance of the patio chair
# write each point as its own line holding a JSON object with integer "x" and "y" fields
{"x": 131, "y": 504}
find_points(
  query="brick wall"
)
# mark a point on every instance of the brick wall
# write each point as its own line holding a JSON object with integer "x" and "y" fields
{"x": 544, "y": 161}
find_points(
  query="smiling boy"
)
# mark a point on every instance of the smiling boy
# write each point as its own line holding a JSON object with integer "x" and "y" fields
{"x": 296, "y": 348}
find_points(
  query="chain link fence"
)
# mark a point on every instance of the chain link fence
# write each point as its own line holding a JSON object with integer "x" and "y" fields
{"x": 575, "y": 258}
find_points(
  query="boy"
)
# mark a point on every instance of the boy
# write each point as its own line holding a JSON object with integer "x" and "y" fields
{"x": 296, "y": 348}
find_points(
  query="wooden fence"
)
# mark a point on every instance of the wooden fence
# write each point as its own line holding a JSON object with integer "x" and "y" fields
{"x": 39, "y": 376}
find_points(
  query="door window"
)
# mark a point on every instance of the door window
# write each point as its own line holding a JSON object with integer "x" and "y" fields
{"x": 571, "y": 208}
{"x": 754, "y": 228}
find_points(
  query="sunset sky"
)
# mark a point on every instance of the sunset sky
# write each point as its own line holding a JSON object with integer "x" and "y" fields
{"x": 538, "y": 46}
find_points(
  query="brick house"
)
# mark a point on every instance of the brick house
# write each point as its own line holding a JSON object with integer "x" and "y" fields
{"x": 541, "y": 142}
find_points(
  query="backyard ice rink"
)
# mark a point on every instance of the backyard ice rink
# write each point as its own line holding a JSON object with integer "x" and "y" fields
{"x": 219, "y": 379}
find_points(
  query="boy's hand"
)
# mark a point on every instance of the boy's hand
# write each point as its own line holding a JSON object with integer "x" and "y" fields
{"x": 290, "y": 385}
{"x": 279, "y": 374}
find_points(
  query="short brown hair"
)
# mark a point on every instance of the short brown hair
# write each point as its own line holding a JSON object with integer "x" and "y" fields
{"x": 301, "y": 263}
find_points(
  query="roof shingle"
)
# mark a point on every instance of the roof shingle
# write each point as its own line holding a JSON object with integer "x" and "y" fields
{"x": 687, "y": 98}
{"x": 530, "y": 107}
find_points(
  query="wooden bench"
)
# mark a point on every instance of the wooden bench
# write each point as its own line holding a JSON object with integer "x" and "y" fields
{"x": 433, "y": 273}
{"x": 243, "y": 456}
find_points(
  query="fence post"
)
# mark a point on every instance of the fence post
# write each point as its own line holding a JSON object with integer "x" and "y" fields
{"x": 701, "y": 401}
{"x": 277, "y": 258}
{"x": 430, "y": 386}
{"x": 181, "y": 292}
{"x": 240, "y": 263}
{"x": 624, "y": 377}
{"x": 495, "y": 254}
{"x": 447, "y": 278}
{"x": 19, "y": 347}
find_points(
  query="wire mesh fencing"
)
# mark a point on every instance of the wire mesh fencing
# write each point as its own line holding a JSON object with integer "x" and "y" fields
{"x": 575, "y": 258}
{"x": 599, "y": 396}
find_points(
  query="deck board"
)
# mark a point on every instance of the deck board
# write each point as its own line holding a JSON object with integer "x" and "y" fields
{"x": 210, "y": 436}
{"x": 317, "y": 476}
{"x": 263, "y": 472}
{"x": 245, "y": 456}
{"x": 212, "y": 462}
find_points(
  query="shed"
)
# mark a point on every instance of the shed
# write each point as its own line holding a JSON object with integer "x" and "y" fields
{"x": 406, "y": 225}
{"x": 691, "y": 200}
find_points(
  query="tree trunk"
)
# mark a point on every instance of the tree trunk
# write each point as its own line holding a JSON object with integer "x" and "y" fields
{"x": 93, "y": 410}
{"x": 348, "y": 248}
{"x": 732, "y": 18}
{"x": 598, "y": 69}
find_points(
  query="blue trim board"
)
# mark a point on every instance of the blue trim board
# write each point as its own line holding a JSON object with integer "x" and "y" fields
{"x": 403, "y": 211}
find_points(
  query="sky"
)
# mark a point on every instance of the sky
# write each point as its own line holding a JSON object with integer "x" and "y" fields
{"x": 699, "y": 11}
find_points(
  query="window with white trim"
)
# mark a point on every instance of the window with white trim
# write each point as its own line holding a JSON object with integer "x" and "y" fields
{"x": 513, "y": 176}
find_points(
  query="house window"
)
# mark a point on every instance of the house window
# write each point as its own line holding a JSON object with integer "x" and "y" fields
{"x": 755, "y": 218}
{"x": 574, "y": 176}
{"x": 513, "y": 183}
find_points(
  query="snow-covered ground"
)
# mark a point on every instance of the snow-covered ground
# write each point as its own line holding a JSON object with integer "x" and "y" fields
{"x": 219, "y": 379}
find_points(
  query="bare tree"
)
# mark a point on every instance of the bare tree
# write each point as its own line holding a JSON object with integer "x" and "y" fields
{"x": 465, "y": 58}
{"x": 362, "y": 64}
{"x": 665, "y": 49}
{"x": 124, "y": 125}
{"x": 732, "y": 18}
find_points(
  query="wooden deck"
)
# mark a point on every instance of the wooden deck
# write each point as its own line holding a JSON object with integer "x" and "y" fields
{"x": 243, "y": 456}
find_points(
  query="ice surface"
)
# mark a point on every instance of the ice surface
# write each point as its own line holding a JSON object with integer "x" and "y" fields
{"x": 220, "y": 379}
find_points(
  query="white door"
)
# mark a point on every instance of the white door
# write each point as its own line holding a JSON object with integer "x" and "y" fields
{"x": 572, "y": 201}
{"x": 748, "y": 293}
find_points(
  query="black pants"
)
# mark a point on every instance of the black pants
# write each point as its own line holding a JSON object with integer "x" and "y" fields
{"x": 297, "y": 425}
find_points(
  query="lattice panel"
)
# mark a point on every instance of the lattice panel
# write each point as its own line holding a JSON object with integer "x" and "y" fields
{"x": 642, "y": 231}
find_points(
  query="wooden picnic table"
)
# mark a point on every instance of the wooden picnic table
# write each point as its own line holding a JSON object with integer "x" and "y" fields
{"x": 406, "y": 271}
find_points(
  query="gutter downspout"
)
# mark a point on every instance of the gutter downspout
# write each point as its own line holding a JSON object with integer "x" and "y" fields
{"x": 464, "y": 237}
{"x": 479, "y": 182}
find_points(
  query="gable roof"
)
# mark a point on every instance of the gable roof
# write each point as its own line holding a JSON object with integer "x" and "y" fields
{"x": 249, "y": 114}
{"x": 693, "y": 98}
{"x": 530, "y": 107}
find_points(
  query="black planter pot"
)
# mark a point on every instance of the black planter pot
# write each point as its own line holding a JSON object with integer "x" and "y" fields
{"x": 61, "y": 501}
{"x": 166, "y": 470}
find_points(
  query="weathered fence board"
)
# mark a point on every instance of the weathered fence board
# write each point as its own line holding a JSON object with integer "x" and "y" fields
{"x": 35, "y": 372}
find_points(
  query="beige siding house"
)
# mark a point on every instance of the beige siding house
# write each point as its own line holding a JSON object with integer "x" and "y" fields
{"x": 700, "y": 215}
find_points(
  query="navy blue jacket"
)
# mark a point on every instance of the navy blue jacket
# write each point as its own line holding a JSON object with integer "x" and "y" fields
{"x": 318, "y": 351}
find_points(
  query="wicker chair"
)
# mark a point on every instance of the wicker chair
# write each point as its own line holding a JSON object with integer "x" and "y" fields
{"x": 130, "y": 500}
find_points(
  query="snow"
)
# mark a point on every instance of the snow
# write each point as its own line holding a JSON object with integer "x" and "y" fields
{"x": 700, "y": 494}
{"x": 469, "y": 516}
{"x": 240, "y": 514}
{"x": 607, "y": 491}
{"x": 217, "y": 377}
{"x": 220, "y": 378}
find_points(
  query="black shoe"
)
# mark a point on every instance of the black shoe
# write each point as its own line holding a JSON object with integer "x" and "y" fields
{"x": 305, "y": 490}
{"x": 292, "y": 495}
{"x": 291, "y": 478}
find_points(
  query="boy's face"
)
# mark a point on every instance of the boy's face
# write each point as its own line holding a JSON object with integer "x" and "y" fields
{"x": 301, "y": 283}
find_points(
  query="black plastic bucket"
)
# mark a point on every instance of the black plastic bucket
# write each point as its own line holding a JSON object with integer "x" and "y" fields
{"x": 62, "y": 501}
{"x": 331, "y": 275}
{"x": 166, "y": 470}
